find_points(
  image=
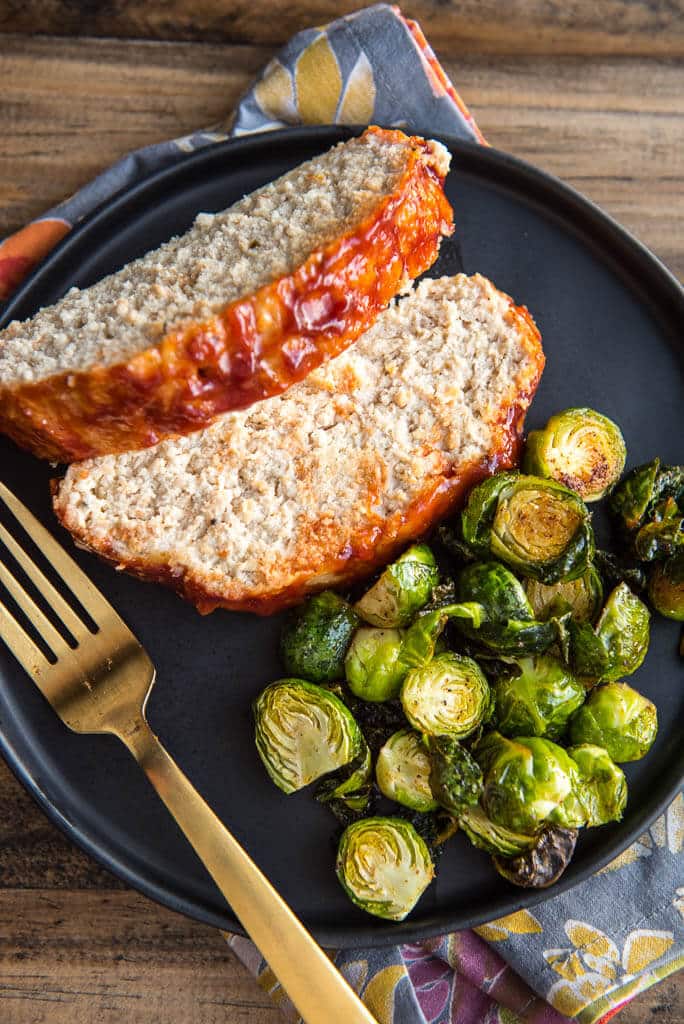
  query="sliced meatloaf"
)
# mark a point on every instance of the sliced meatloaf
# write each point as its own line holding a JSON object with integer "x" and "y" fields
{"x": 318, "y": 486}
{"x": 244, "y": 304}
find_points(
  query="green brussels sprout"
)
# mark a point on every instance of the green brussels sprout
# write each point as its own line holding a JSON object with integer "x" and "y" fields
{"x": 302, "y": 732}
{"x": 404, "y": 588}
{"x": 402, "y": 771}
{"x": 486, "y": 835}
{"x": 666, "y": 587}
{"x": 507, "y": 624}
{"x": 316, "y": 638}
{"x": 634, "y": 502}
{"x": 579, "y": 448}
{"x": 538, "y": 527}
{"x": 617, "y": 645}
{"x": 372, "y": 667}
{"x": 455, "y": 775}
{"x": 544, "y": 863}
{"x": 617, "y": 718}
{"x": 539, "y": 701}
{"x": 603, "y": 788}
{"x": 384, "y": 866}
{"x": 582, "y": 597}
{"x": 419, "y": 642}
{"x": 529, "y": 782}
{"x": 449, "y": 696}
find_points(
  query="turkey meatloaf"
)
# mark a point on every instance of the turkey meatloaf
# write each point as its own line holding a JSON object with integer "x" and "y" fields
{"x": 320, "y": 485}
{"x": 244, "y": 304}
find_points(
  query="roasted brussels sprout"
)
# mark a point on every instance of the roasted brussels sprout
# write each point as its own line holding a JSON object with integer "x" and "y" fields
{"x": 420, "y": 639}
{"x": 455, "y": 776}
{"x": 449, "y": 696}
{"x": 663, "y": 536}
{"x": 403, "y": 589}
{"x": 617, "y": 645}
{"x": 544, "y": 863}
{"x": 617, "y": 718}
{"x": 603, "y": 788}
{"x": 384, "y": 866}
{"x": 402, "y": 771}
{"x": 372, "y": 667}
{"x": 539, "y": 701}
{"x": 486, "y": 835}
{"x": 507, "y": 625}
{"x": 528, "y": 782}
{"x": 634, "y": 502}
{"x": 582, "y": 597}
{"x": 316, "y": 638}
{"x": 302, "y": 732}
{"x": 538, "y": 527}
{"x": 579, "y": 448}
{"x": 666, "y": 587}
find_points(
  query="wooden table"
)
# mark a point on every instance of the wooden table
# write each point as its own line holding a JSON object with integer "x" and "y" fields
{"x": 593, "y": 92}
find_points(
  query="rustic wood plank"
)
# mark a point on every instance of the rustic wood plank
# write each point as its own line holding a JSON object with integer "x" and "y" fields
{"x": 612, "y": 126}
{"x": 654, "y": 27}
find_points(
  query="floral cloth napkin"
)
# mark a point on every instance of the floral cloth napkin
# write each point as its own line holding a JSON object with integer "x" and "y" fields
{"x": 580, "y": 955}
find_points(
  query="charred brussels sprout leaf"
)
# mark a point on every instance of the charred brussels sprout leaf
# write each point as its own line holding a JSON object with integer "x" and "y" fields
{"x": 403, "y": 589}
{"x": 616, "y": 570}
{"x": 303, "y": 732}
{"x": 538, "y": 527}
{"x": 486, "y": 835}
{"x": 617, "y": 718}
{"x": 666, "y": 588}
{"x": 579, "y": 448}
{"x": 402, "y": 771}
{"x": 663, "y": 536}
{"x": 643, "y": 495}
{"x": 372, "y": 666}
{"x": 603, "y": 788}
{"x": 420, "y": 639}
{"x": 455, "y": 776}
{"x": 539, "y": 701}
{"x": 449, "y": 696}
{"x": 544, "y": 863}
{"x": 349, "y": 785}
{"x": 384, "y": 866}
{"x": 582, "y": 597}
{"x": 316, "y": 638}
{"x": 528, "y": 782}
{"x": 617, "y": 645}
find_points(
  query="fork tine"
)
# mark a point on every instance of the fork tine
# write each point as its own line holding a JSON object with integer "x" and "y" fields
{"x": 53, "y": 597}
{"x": 76, "y": 580}
{"x": 21, "y": 645}
{"x": 37, "y": 618}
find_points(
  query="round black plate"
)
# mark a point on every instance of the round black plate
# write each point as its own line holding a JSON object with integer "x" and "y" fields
{"x": 610, "y": 316}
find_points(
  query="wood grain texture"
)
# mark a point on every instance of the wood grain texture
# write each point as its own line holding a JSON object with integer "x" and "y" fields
{"x": 643, "y": 27}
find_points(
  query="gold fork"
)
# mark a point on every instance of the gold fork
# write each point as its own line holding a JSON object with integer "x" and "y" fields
{"x": 101, "y": 685}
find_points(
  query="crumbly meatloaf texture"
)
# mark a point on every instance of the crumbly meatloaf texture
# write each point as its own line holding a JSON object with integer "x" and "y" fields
{"x": 244, "y": 304}
{"x": 320, "y": 485}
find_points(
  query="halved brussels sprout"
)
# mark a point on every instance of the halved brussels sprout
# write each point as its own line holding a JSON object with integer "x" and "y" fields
{"x": 507, "y": 622}
{"x": 384, "y": 866}
{"x": 582, "y": 597}
{"x": 603, "y": 787}
{"x": 302, "y": 732}
{"x": 486, "y": 835}
{"x": 402, "y": 771}
{"x": 617, "y": 645}
{"x": 404, "y": 588}
{"x": 538, "y": 527}
{"x": 455, "y": 776}
{"x": 617, "y": 718}
{"x": 539, "y": 701}
{"x": 544, "y": 863}
{"x": 528, "y": 782}
{"x": 580, "y": 448}
{"x": 372, "y": 667}
{"x": 450, "y": 696}
{"x": 634, "y": 502}
{"x": 666, "y": 588}
{"x": 316, "y": 638}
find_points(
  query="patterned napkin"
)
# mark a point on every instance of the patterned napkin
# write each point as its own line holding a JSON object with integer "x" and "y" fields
{"x": 583, "y": 954}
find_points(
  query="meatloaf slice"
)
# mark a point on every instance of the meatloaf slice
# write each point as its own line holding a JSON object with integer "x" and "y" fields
{"x": 318, "y": 486}
{"x": 244, "y": 304}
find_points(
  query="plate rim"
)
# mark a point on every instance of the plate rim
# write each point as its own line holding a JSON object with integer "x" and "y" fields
{"x": 652, "y": 274}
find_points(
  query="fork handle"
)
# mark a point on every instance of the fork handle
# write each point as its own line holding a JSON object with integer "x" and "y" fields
{"x": 311, "y": 980}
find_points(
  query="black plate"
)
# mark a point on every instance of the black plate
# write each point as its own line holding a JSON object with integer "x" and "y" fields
{"x": 610, "y": 315}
